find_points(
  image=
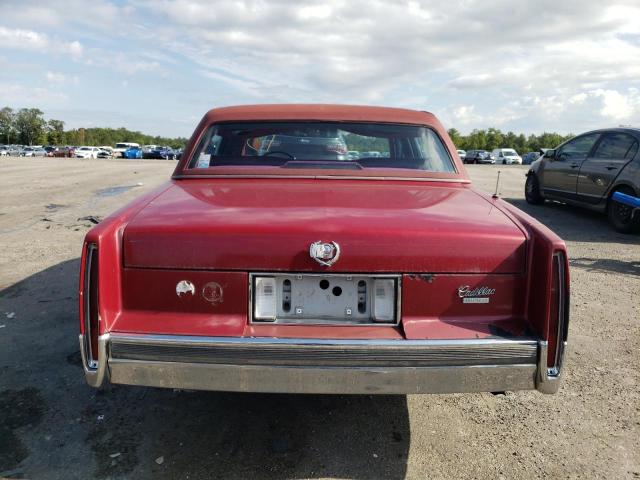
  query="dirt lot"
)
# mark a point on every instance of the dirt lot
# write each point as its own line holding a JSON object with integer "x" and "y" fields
{"x": 53, "y": 426}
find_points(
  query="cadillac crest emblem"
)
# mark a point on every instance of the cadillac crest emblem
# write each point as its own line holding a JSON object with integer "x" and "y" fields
{"x": 324, "y": 253}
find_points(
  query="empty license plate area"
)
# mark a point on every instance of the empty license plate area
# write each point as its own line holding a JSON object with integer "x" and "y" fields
{"x": 324, "y": 299}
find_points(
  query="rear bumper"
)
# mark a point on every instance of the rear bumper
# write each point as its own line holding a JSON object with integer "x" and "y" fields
{"x": 321, "y": 366}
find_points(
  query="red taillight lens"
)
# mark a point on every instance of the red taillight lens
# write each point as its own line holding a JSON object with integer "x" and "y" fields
{"x": 559, "y": 311}
{"x": 90, "y": 318}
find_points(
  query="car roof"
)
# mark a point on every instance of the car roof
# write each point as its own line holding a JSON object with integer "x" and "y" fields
{"x": 632, "y": 130}
{"x": 321, "y": 112}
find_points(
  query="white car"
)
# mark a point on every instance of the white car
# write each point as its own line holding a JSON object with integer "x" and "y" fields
{"x": 462, "y": 154}
{"x": 121, "y": 147}
{"x": 4, "y": 151}
{"x": 506, "y": 156}
{"x": 105, "y": 152}
{"x": 87, "y": 152}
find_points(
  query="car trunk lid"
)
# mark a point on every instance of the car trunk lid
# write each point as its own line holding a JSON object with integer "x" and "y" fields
{"x": 269, "y": 225}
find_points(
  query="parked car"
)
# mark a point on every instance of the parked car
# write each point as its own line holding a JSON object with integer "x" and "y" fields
{"x": 506, "y": 156}
{"x": 4, "y": 151}
{"x": 132, "y": 152}
{"x": 67, "y": 152}
{"x": 120, "y": 148}
{"x": 320, "y": 145}
{"x": 251, "y": 271}
{"x": 370, "y": 154}
{"x": 462, "y": 154}
{"x": 530, "y": 157}
{"x": 587, "y": 170}
{"x": 87, "y": 152}
{"x": 164, "y": 153}
{"x": 49, "y": 149}
{"x": 14, "y": 150}
{"x": 33, "y": 152}
{"x": 478, "y": 156}
{"x": 353, "y": 154}
{"x": 105, "y": 152}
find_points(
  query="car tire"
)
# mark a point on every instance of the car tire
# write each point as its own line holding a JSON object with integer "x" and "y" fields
{"x": 532, "y": 190}
{"x": 621, "y": 216}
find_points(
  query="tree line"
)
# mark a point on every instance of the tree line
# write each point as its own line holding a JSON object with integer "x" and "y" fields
{"x": 494, "y": 138}
{"x": 28, "y": 126}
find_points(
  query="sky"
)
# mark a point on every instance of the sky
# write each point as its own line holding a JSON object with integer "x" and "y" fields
{"x": 157, "y": 66}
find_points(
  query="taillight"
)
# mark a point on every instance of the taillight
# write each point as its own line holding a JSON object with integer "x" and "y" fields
{"x": 90, "y": 319}
{"x": 559, "y": 313}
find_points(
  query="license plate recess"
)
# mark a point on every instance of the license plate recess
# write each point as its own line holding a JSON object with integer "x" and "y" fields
{"x": 333, "y": 299}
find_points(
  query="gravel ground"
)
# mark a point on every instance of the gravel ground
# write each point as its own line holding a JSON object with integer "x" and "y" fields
{"x": 53, "y": 426}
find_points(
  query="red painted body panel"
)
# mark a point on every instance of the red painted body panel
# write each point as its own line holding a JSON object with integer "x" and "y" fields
{"x": 218, "y": 229}
{"x": 267, "y": 224}
{"x": 433, "y": 309}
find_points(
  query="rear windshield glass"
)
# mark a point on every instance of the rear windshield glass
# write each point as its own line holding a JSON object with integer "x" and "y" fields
{"x": 322, "y": 145}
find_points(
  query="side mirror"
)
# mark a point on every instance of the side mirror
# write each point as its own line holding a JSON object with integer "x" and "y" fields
{"x": 551, "y": 153}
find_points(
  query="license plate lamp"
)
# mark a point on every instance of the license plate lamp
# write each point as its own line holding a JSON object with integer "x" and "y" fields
{"x": 265, "y": 298}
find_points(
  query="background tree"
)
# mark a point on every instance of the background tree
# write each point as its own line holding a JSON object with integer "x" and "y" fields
{"x": 55, "y": 132}
{"x": 455, "y": 135}
{"x": 7, "y": 125}
{"x": 495, "y": 138}
{"x": 29, "y": 125}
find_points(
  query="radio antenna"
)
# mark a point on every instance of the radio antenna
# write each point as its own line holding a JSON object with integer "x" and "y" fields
{"x": 495, "y": 195}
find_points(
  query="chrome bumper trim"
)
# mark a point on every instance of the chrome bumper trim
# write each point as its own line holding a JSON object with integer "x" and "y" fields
{"x": 95, "y": 376}
{"x": 253, "y": 378}
{"x": 318, "y": 365}
{"x": 333, "y": 353}
{"x": 547, "y": 379}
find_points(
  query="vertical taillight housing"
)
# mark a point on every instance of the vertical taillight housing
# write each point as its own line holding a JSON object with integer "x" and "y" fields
{"x": 89, "y": 317}
{"x": 559, "y": 313}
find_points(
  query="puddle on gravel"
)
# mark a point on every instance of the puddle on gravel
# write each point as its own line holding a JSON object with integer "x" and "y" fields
{"x": 114, "y": 191}
{"x": 18, "y": 408}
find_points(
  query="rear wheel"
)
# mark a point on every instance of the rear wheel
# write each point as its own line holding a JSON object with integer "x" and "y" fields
{"x": 532, "y": 190}
{"x": 621, "y": 216}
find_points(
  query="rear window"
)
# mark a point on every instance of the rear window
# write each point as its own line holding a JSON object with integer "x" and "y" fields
{"x": 322, "y": 145}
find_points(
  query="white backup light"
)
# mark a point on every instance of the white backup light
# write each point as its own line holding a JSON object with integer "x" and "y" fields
{"x": 265, "y": 298}
{"x": 384, "y": 300}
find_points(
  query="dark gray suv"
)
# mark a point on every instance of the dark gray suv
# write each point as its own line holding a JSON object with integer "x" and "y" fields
{"x": 587, "y": 170}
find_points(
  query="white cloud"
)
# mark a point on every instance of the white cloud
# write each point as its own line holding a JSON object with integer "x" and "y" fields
{"x": 615, "y": 105}
{"x": 23, "y": 96}
{"x": 55, "y": 77}
{"x": 528, "y": 66}
{"x": 20, "y": 39}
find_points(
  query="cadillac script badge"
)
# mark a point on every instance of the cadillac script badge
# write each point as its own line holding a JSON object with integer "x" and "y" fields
{"x": 475, "y": 295}
{"x": 324, "y": 253}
